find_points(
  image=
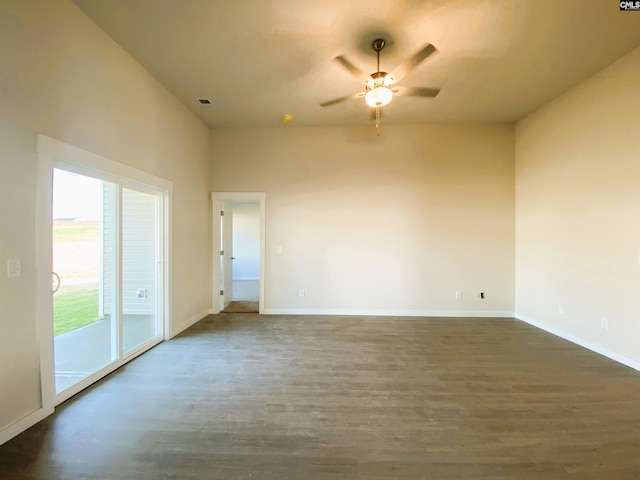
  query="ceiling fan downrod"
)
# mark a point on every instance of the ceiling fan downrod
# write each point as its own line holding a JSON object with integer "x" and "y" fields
{"x": 377, "y": 45}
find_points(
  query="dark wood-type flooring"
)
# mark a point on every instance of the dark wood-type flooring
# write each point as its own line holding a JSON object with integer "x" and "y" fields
{"x": 274, "y": 398}
{"x": 242, "y": 306}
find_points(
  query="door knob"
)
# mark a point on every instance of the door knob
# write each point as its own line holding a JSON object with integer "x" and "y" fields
{"x": 57, "y": 280}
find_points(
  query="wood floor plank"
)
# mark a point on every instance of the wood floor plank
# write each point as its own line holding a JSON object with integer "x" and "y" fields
{"x": 318, "y": 397}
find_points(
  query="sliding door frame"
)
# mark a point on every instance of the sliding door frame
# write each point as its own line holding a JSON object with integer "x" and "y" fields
{"x": 56, "y": 154}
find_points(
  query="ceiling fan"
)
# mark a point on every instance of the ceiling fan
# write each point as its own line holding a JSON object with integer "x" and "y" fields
{"x": 381, "y": 87}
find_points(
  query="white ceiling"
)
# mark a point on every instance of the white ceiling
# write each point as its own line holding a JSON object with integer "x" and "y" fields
{"x": 256, "y": 60}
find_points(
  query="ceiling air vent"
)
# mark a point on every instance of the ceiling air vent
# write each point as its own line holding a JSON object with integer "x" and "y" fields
{"x": 205, "y": 102}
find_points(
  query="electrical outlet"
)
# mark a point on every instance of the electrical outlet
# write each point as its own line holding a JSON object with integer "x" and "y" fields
{"x": 301, "y": 292}
{"x": 604, "y": 323}
{"x": 481, "y": 295}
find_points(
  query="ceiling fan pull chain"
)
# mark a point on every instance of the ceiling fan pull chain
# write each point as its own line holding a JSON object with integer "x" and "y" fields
{"x": 378, "y": 120}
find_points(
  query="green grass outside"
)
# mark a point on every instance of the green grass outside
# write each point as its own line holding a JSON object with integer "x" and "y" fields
{"x": 73, "y": 232}
{"x": 75, "y": 306}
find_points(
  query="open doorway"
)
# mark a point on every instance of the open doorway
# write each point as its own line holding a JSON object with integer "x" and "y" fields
{"x": 238, "y": 241}
{"x": 245, "y": 265}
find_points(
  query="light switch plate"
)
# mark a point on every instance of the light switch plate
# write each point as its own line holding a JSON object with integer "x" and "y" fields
{"x": 14, "y": 268}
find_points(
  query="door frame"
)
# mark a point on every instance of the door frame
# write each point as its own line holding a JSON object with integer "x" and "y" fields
{"x": 217, "y": 203}
{"x": 52, "y": 154}
{"x": 226, "y": 260}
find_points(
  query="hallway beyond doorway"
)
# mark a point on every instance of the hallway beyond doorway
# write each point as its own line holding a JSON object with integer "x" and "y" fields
{"x": 245, "y": 297}
{"x": 241, "y": 257}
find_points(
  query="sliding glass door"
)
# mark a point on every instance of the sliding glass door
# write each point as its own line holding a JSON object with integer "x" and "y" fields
{"x": 84, "y": 331}
{"x": 107, "y": 274}
{"x": 140, "y": 263}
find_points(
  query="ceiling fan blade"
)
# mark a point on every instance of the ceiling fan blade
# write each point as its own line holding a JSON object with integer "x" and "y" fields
{"x": 412, "y": 62}
{"x": 351, "y": 68}
{"x": 341, "y": 99}
{"x": 415, "y": 91}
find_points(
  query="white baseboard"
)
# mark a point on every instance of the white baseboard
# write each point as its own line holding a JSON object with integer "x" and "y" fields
{"x": 387, "y": 312}
{"x": 245, "y": 278}
{"x": 196, "y": 318}
{"x": 623, "y": 359}
{"x": 20, "y": 426}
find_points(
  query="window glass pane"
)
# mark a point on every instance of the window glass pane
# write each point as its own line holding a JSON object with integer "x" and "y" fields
{"x": 139, "y": 267}
{"x": 84, "y": 266}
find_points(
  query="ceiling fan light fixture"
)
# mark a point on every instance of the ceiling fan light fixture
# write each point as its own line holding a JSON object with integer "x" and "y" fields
{"x": 379, "y": 96}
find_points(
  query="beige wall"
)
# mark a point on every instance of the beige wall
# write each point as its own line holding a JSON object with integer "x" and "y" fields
{"x": 578, "y": 211}
{"x": 391, "y": 224}
{"x": 63, "y": 77}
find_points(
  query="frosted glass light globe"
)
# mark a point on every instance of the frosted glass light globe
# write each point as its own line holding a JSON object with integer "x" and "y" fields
{"x": 379, "y": 96}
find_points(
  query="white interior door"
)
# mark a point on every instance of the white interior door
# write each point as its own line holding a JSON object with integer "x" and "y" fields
{"x": 226, "y": 258}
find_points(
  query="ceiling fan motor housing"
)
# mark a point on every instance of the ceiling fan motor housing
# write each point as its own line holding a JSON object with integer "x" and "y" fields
{"x": 378, "y": 79}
